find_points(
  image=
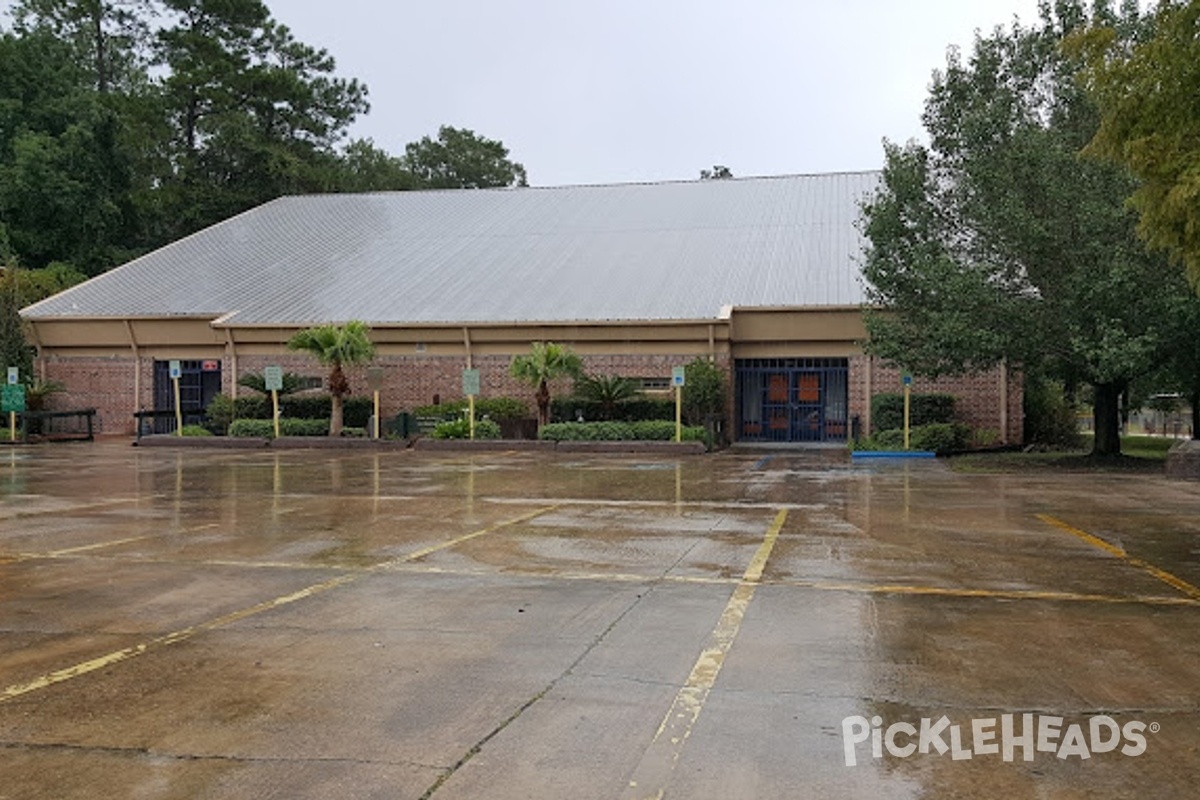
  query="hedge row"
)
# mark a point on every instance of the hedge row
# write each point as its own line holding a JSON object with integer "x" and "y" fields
{"x": 887, "y": 410}
{"x": 568, "y": 409}
{"x": 265, "y": 428}
{"x": 223, "y": 410}
{"x": 461, "y": 429}
{"x": 938, "y": 437}
{"x": 646, "y": 430}
{"x": 497, "y": 408}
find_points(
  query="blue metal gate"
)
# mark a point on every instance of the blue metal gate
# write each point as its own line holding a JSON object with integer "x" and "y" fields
{"x": 792, "y": 399}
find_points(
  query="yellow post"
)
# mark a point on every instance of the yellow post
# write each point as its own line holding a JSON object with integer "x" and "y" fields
{"x": 471, "y": 411}
{"x": 178, "y": 410}
{"x": 275, "y": 410}
{"x": 907, "y": 405}
{"x": 679, "y": 413}
{"x": 12, "y": 426}
{"x": 375, "y": 427}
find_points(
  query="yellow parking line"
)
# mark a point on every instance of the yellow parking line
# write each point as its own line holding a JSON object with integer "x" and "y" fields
{"x": 653, "y": 773}
{"x": 1164, "y": 576}
{"x": 174, "y": 637}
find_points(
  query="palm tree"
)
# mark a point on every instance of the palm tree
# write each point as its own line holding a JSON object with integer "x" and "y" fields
{"x": 336, "y": 346}
{"x": 607, "y": 392}
{"x": 545, "y": 362}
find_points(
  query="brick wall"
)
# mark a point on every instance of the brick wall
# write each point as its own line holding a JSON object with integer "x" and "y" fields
{"x": 107, "y": 384}
{"x": 977, "y": 396}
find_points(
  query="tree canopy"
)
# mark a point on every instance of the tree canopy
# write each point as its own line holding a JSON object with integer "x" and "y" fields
{"x": 461, "y": 159}
{"x": 1146, "y": 88}
{"x": 128, "y": 124}
{"x": 998, "y": 243}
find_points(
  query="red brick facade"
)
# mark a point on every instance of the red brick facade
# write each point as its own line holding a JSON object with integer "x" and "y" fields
{"x": 978, "y": 396}
{"x": 108, "y": 384}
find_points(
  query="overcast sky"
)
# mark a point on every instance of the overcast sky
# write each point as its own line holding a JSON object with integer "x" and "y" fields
{"x": 644, "y": 90}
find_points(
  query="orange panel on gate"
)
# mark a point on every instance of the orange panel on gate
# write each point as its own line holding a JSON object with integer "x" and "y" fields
{"x": 810, "y": 389}
{"x": 777, "y": 391}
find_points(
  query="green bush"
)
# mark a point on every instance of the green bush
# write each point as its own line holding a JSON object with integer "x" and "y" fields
{"x": 941, "y": 437}
{"x": 703, "y": 390}
{"x": 461, "y": 429}
{"x": 195, "y": 430}
{"x": 563, "y": 409}
{"x": 645, "y": 430}
{"x": 938, "y": 437}
{"x": 303, "y": 427}
{"x": 251, "y": 428}
{"x": 497, "y": 408}
{"x": 887, "y": 410}
{"x": 1049, "y": 413}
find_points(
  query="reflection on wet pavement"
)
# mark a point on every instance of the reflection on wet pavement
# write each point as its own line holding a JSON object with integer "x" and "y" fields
{"x": 205, "y": 623}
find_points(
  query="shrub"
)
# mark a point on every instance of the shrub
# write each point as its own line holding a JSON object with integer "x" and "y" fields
{"x": 251, "y": 428}
{"x": 887, "y": 410}
{"x": 220, "y": 413}
{"x": 195, "y": 430}
{"x": 500, "y": 409}
{"x": 563, "y": 409}
{"x": 703, "y": 390}
{"x": 940, "y": 437}
{"x": 1049, "y": 413}
{"x": 461, "y": 429}
{"x": 658, "y": 430}
{"x": 302, "y": 427}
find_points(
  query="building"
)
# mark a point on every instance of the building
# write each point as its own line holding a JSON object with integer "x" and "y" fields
{"x": 759, "y": 274}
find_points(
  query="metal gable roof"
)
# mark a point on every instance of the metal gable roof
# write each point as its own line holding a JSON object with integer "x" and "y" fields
{"x": 656, "y": 251}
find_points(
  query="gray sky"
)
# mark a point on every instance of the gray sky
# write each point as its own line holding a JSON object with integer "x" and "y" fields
{"x": 643, "y": 90}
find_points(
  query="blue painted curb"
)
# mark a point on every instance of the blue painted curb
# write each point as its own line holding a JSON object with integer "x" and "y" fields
{"x": 893, "y": 454}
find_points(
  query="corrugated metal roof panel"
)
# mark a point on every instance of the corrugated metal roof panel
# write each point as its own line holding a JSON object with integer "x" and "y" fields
{"x": 579, "y": 253}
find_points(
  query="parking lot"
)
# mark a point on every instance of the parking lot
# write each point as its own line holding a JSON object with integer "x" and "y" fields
{"x": 340, "y": 624}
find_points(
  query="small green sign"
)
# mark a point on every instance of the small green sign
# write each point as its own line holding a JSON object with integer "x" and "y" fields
{"x": 273, "y": 378}
{"x": 471, "y": 382}
{"x": 13, "y": 398}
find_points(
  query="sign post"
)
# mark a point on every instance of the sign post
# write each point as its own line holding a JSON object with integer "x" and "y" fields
{"x": 176, "y": 371}
{"x": 14, "y": 378}
{"x": 273, "y": 382}
{"x": 678, "y": 379}
{"x": 470, "y": 389}
{"x": 13, "y": 401}
{"x": 907, "y": 380}
{"x": 375, "y": 382}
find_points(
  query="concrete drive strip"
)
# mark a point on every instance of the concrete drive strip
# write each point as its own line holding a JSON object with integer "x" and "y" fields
{"x": 175, "y": 637}
{"x": 1095, "y": 541}
{"x": 653, "y": 773}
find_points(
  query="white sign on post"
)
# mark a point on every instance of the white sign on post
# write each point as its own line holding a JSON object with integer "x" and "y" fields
{"x": 14, "y": 376}
{"x": 175, "y": 369}
{"x": 471, "y": 382}
{"x": 678, "y": 376}
{"x": 273, "y": 379}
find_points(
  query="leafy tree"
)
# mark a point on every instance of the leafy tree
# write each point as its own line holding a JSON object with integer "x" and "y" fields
{"x": 366, "y": 168}
{"x": 460, "y": 159}
{"x": 703, "y": 390}
{"x": 336, "y": 346}
{"x": 1146, "y": 88}
{"x": 253, "y": 113}
{"x": 107, "y": 38}
{"x": 66, "y": 166}
{"x": 719, "y": 172}
{"x": 608, "y": 392}
{"x": 545, "y": 362}
{"x": 998, "y": 243}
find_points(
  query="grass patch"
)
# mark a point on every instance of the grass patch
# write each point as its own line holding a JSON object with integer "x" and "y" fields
{"x": 1139, "y": 454}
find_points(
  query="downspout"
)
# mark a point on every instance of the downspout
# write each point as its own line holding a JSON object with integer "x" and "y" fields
{"x": 137, "y": 367}
{"x": 866, "y": 430}
{"x": 231, "y": 346}
{"x": 1003, "y": 401}
{"x": 467, "y": 345}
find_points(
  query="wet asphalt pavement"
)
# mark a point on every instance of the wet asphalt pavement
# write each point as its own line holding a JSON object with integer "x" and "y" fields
{"x": 331, "y": 624}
